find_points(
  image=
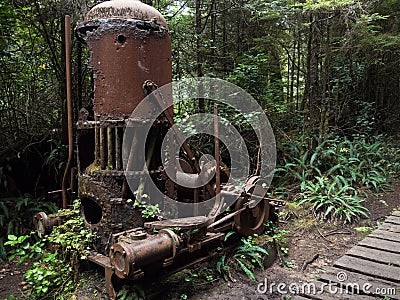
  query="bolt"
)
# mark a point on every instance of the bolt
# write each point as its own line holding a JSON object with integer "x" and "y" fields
{"x": 123, "y": 253}
{"x": 112, "y": 248}
{"x": 125, "y": 274}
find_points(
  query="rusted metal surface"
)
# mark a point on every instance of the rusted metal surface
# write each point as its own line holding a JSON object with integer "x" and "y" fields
{"x": 118, "y": 148}
{"x": 110, "y": 149}
{"x": 102, "y": 212}
{"x": 253, "y": 219}
{"x": 126, "y": 9}
{"x": 183, "y": 223}
{"x": 218, "y": 203}
{"x": 132, "y": 253}
{"x": 124, "y": 54}
{"x": 227, "y": 217}
{"x": 65, "y": 195}
{"x": 130, "y": 54}
{"x": 44, "y": 223}
{"x": 216, "y": 155}
{"x": 129, "y": 43}
{"x": 102, "y": 148}
{"x": 159, "y": 99}
{"x": 104, "y": 261}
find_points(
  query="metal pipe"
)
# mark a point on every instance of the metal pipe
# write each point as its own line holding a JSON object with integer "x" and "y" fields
{"x": 110, "y": 146}
{"x": 102, "y": 148}
{"x": 218, "y": 204}
{"x": 65, "y": 196}
{"x": 118, "y": 165}
{"x": 194, "y": 180}
{"x": 227, "y": 217}
{"x": 96, "y": 142}
{"x": 217, "y": 161}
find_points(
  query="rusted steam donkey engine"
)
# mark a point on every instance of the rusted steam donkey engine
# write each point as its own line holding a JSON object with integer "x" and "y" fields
{"x": 130, "y": 50}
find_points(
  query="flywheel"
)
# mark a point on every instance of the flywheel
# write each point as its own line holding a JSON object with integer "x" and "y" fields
{"x": 252, "y": 220}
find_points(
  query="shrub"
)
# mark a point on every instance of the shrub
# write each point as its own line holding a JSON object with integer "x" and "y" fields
{"x": 55, "y": 257}
{"x": 338, "y": 174}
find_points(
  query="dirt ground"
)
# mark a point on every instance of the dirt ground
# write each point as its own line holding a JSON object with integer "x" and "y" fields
{"x": 312, "y": 247}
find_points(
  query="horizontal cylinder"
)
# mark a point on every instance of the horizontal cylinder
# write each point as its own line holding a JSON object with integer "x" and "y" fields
{"x": 195, "y": 180}
{"x": 44, "y": 224}
{"x": 129, "y": 255}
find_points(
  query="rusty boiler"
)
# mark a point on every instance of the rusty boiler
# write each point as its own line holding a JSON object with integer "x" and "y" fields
{"x": 129, "y": 43}
{"x": 130, "y": 56}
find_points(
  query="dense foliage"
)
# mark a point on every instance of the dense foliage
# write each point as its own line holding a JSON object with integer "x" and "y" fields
{"x": 325, "y": 72}
{"x": 56, "y": 256}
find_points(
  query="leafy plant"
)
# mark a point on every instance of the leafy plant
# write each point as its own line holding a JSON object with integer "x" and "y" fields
{"x": 54, "y": 159}
{"x": 332, "y": 200}
{"x": 16, "y": 216}
{"x": 23, "y": 247}
{"x": 55, "y": 257}
{"x": 247, "y": 256}
{"x": 17, "y": 213}
{"x": 133, "y": 293}
{"x": 336, "y": 176}
{"x": 278, "y": 236}
{"x": 3, "y": 254}
{"x": 149, "y": 212}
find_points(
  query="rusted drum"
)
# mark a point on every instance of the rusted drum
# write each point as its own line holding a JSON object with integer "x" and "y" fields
{"x": 134, "y": 252}
{"x": 129, "y": 43}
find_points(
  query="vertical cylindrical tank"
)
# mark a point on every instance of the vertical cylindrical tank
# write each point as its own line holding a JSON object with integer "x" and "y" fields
{"x": 129, "y": 43}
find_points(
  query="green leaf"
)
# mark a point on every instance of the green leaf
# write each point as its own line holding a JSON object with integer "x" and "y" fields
{"x": 12, "y": 237}
{"x": 248, "y": 272}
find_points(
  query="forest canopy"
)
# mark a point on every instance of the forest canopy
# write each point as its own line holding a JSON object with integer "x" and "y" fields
{"x": 318, "y": 66}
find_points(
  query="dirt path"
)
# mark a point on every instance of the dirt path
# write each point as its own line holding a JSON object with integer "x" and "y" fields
{"x": 312, "y": 248}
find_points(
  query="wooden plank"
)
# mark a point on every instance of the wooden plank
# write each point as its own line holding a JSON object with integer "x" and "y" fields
{"x": 380, "y": 244}
{"x": 390, "y": 227}
{"x": 393, "y": 220}
{"x": 375, "y": 255}
{"x": 366, "y": 284}
{"x": 370, "y": 268}
{"x": 385, "y": 235}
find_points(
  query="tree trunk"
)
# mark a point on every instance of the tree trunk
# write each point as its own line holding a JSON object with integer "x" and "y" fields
{"x": 312, "y": 92}
{"x": 199, "y": 56}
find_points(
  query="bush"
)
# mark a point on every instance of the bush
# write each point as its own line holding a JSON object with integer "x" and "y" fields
{"x": 247, "y": 256}
{"x": 55, "y": 257}
{"x": 338, "y": 174}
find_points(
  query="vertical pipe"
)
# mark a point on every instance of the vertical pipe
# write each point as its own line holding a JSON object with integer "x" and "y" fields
{"x": 217, "y": 161}
{"x": 117, "y": 149}
{"x": 96, "y": 143}
{"x": 102, "y": 148}
{"x": 65, "y": 197}
{"x": 110, "y": 146}
{"x": 79, "y": 71}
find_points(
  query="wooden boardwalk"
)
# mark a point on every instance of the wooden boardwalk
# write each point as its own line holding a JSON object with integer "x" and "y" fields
{"x": 369, "y": 270}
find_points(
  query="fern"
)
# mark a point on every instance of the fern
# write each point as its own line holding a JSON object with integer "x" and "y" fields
{"x": 247, "y": 256}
